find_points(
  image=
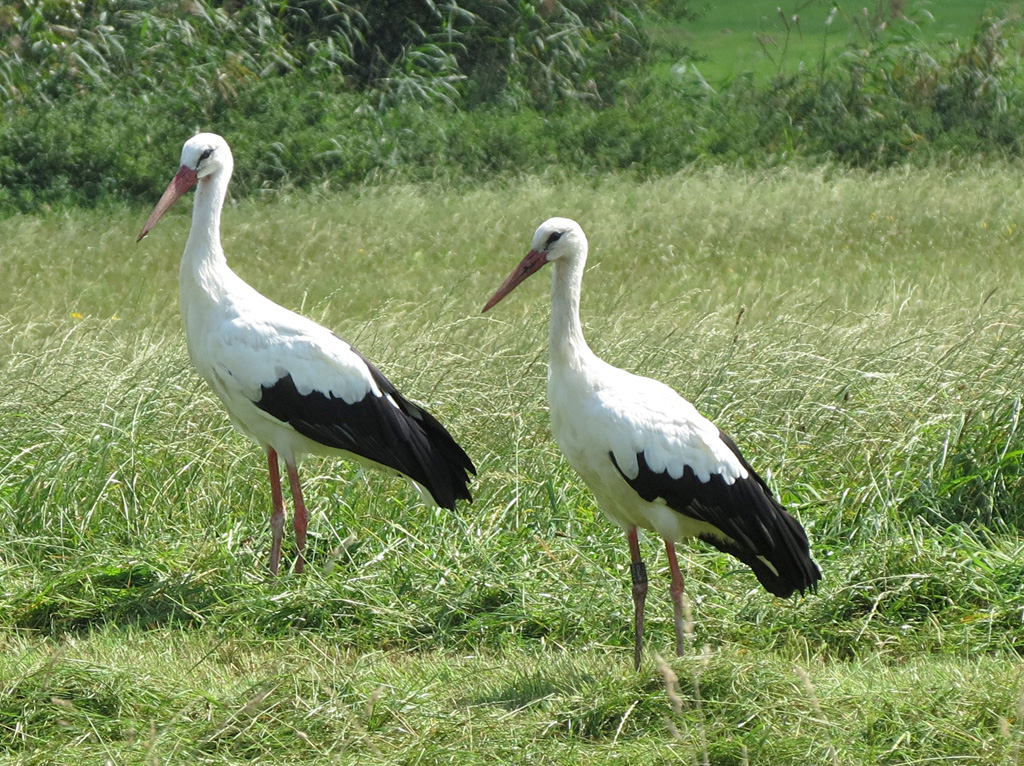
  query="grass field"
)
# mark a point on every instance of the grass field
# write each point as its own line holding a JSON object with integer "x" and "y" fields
{"x": 862, "y": 337}
{"x": 734, "y": 37}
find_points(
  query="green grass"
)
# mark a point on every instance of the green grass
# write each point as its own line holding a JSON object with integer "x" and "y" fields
{"x": 861, "y": 336}
{"x": 735, "y": 37}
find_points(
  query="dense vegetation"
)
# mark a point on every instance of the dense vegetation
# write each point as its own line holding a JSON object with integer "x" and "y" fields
{"x": 97, "y": 93}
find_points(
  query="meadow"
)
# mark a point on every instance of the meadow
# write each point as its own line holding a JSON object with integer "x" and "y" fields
{"x": 860, "y": 335}
{"x": 734, "y": 38}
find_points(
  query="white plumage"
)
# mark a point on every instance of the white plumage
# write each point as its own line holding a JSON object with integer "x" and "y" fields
{"x": 291, "y": 385}
{"x": 650, "y": 458}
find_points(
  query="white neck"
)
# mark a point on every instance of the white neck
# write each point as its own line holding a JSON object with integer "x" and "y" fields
{"x": 567, "y": 346}
{"x": 203, "y": 260}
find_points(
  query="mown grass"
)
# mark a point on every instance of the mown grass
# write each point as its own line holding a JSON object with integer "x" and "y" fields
{"x": 860, "y": 335}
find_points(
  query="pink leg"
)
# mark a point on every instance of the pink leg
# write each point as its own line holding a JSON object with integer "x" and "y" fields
{"x": 677, "y": 595}
{"x": 639, "y": 574}
{"x": 301, "y": 517}
{"x": 277, "y": 518}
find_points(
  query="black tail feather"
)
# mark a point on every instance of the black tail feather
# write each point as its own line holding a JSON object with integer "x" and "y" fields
{"x": 401, "y": 436}
{"x": 750, "y": 523}
{"x": 786, "y": 569}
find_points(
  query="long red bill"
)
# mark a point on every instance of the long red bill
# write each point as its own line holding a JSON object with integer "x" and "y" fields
{"x": 184, "y": 180}
{"x": 529, "y": 265}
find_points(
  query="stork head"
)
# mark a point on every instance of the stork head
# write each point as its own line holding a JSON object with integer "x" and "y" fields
{"x": 554, "y": 239}
{"x": 202, "y": 156}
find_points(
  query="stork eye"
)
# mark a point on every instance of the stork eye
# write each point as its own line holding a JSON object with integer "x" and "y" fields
{"x": 206, "y": 154}
{"x": 555, "y": 236}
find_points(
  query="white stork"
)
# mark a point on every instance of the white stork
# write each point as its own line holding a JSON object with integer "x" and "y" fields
{"x": 292, "y": 386}
{"x": 649, "y": 457}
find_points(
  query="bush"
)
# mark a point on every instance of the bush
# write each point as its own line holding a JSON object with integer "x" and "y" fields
{"x": 99, "y": 96}
{"x": 409, "y": 50}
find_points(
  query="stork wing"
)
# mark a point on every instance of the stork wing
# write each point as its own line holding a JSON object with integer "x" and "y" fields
{"x": 308, "y": 377}
{"x": 673, "y": 455}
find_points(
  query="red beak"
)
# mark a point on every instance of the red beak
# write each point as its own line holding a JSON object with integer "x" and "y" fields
{"x": 529, "y": 265}
{"x": 181, "y": 183}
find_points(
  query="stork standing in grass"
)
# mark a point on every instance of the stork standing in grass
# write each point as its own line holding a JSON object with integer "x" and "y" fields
{"x": 649, "y": 457}
{"x": 291, "y": 385}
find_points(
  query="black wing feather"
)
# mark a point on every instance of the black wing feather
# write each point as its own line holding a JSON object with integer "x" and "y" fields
{"x": 407, "y": 438}
{"x": 753, "y": 523}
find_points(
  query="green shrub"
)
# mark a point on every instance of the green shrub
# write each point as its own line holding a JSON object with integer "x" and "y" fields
{"x": 402, "y": 51}
{"x": 97, "y": 104}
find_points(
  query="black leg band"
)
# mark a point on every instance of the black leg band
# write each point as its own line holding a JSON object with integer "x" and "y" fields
{"x": 639, "y": 573}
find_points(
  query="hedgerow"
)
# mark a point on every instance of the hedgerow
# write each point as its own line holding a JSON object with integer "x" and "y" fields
{"x": 97, "y": 93}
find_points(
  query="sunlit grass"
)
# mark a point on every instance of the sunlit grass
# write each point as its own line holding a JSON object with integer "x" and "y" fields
{"x": 860, "y": 336}
{"x": 766, "y": 38}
